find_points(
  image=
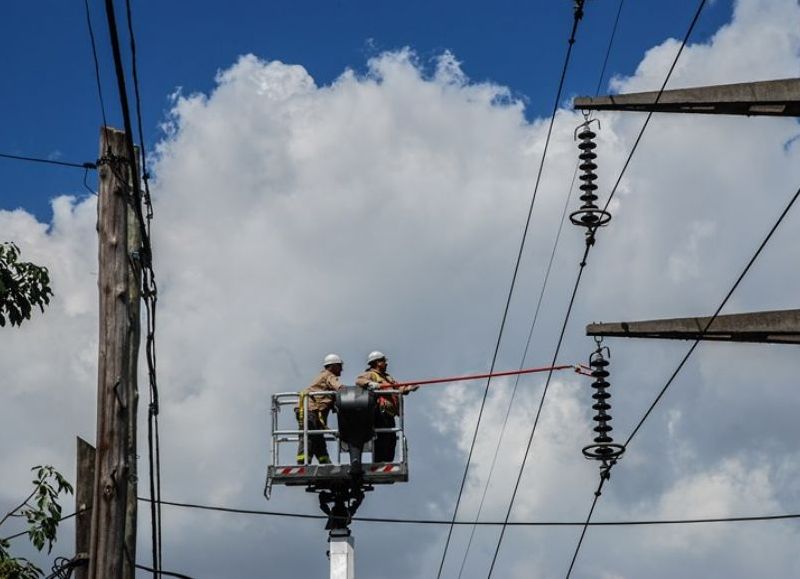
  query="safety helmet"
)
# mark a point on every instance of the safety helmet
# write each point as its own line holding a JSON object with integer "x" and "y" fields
{"x": 375, "y": 355}
{"x": 332, "y": 359}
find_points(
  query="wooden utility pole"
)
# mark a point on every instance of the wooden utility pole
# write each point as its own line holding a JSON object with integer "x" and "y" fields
{"x": 134, "y": 300}
{"x": 84, "y": 491}
{"x": 112, "y": 547}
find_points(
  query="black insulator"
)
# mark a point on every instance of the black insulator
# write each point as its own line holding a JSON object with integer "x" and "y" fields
{"x": 605, "y": 451}
{"x": 603, "y": 448}
{"x": 589, "y": 215}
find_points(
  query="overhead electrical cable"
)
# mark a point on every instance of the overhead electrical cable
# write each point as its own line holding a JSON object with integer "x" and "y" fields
{"x": 589, "y": 244}
{"x": 657, "y": 99}
{"x": 608, "y": 49}
{"x": 581, "y": 269}
{"x": 149, "y": 292}
{"x": 688, "y": 354}
{"x": 162, "y": 572}
{"x": 96, "y": 62}
{"x": 22, "y": 533}
{"x": 87, "y": 165}
{"x": 597, "y": 493}
{"x": 578, "y": 14}
{"x": 707, "y": 325}
{"x": 408, "y": 521}
{"x": 516, "y": 380}
{"x": 713, "y": 317}
{"x": 601, "y": 76}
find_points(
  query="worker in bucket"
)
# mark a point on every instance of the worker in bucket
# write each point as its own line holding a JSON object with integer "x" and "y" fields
{"x": 318, "y": 408}
{"x": 376, "y": 378}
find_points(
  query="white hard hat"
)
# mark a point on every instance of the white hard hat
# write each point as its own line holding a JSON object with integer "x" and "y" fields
{"x": 375, "y": 355}
{"x": 332, "y": 359}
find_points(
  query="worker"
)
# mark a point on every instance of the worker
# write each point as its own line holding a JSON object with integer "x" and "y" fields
{"x": 376, "y": 378}
{"x": 318, "y": 409}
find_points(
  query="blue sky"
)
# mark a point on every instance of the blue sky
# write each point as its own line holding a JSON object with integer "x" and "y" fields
{"x": 49, "y": 104}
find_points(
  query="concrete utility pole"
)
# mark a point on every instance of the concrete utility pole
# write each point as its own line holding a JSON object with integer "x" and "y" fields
{"x": 776, "y": 327}
{"x": 112, "y": 552}
{"x": 774, "y": 98}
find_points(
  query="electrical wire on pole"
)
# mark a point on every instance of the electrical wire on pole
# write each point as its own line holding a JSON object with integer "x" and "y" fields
{"x": 90, "y": 29}
{"x": 542, "y": 291}
{"x": 149, "y": 292}
{"x": 697, "y": 13}
{"x": 688, "y": 354}
{"x": 408, "y": 521}
{"x": 590, "y": 243}
{"x": 86, "y": 165}
{"x": 577, "y": 16}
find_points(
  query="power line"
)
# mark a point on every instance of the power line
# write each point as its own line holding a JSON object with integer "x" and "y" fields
{"x": 516, "y": 381}
{"x": 96, "y": 62}
{"x": 657, "y": 99}
{"x": 603, "y": 478}
{"x": 589, "y": 242}
{"x": 64, "y": 518}
{"x": 606, "y": 472}
{"x": 149, "y": 293}
{"x": 578, "y": 14}
{"x": 162, "y": 572}
{"x": 601, "y": 76}
{"x": 87, "y": 165}
{"x": 608, "y": 49}
{"x": 689, "y": 353}
{"x": 390, "y": 520}
{"x": 716, "y": 313}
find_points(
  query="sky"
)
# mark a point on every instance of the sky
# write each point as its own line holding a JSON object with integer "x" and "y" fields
{"x": 349, "y": 178}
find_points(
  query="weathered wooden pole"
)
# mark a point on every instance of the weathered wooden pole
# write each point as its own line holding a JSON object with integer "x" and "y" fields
{"x": 115, "y": 459}
{"x": 84, "y": 491}
{"x": 134, "y": 299}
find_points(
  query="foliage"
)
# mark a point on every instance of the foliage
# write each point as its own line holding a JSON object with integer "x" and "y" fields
{"x": 23, "y": 285}
{"x": 43, "y": 514}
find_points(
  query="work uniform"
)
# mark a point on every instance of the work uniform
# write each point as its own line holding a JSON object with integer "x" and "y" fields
{"x": 385, "y": 412}
{"x": 318, "y": 409}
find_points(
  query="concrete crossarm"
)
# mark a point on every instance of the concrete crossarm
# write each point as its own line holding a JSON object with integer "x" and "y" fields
{"x": 778, "y": 327}
{"x": 779, "y": 98}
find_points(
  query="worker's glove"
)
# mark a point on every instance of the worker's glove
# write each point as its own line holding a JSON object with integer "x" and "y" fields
{"x": 373, "y": 385}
